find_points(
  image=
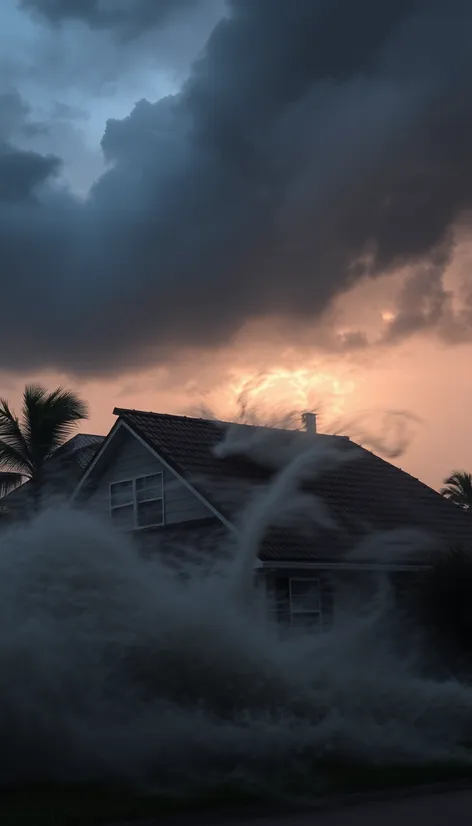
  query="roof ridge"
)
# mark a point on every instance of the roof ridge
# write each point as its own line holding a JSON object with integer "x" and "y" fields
{"x": 119, "y": 411}
{"x": 123, "y": 411}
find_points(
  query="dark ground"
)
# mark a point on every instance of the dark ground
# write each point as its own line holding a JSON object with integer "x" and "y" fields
{"x": 454, "y": 808}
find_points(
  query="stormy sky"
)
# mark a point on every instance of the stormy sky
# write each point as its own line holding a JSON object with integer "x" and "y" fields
{"x": 171, "y": 170}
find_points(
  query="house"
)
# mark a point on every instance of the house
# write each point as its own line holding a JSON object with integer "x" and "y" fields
{"x": 61, "y": 474}
{"x": 175, "y": 480}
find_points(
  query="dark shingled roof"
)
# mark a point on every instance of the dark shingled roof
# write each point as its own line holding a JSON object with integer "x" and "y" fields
{"x": 363, "y": 494}
{"x": 62, "y": 471}
{"x": 81, "y": 449}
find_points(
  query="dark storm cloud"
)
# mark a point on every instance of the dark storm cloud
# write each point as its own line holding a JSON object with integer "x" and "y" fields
{"x": 425, "y": 305}
{"x": 15, "y": 117}
{"x": 315, "y": 142}
{"x": 127, "y": 17}
{"x": 21, "y": 172}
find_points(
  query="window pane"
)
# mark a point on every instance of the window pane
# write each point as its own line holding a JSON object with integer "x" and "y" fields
{"x": 149, "y": 487}
{"x": 152, "y": 481}
{"x": 150, "y": 513}
{"x": 123, "y": 517}
{"x": 121, "y": 493}
{"x": 305, "y": 594}
{"x": 146, "y": 494}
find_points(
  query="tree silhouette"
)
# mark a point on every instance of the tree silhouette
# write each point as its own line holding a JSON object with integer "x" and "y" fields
{"x": 458, "y": 489}
{"x": 47, "y": 421}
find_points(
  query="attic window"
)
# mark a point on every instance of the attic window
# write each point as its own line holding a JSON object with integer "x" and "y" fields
{"x": 305, "y": 602}
{"x": 138, "y": 503}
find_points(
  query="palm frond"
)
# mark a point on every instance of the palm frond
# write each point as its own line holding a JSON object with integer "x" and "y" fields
{"x": 32, "y": 421}
{"x": 50, "y": 418}
{"x": 12, "y": 461}
{"x": 14, "y": 451}
{"x": 9, "y": 481}
{"x": 458, "y": 488}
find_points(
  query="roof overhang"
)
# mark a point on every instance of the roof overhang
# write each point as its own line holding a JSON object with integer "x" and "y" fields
{"x": 274, "y": 564}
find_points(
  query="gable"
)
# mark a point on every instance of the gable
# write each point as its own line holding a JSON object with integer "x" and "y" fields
{"x": 126, "y": 457}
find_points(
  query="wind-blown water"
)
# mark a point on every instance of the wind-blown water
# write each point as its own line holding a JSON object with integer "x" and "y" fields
{"x": 113, "y": 667}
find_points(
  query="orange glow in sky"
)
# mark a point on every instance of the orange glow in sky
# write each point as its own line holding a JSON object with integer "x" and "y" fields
{"x": 276, "y": 369}
{"x": 420, "y": 378}
{"x": 387, "y": 315}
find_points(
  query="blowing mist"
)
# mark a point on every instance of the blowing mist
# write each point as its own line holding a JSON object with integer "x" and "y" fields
{"x": 172, "y": 677}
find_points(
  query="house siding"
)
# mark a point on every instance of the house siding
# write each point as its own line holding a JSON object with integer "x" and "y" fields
{"x": 132, "y": 460}
{"x": 202, "y": 543}
{"x": 343, "y": 594}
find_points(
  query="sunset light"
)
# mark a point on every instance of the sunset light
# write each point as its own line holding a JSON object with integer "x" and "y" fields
{"x": 285, "y": 391}
{"x": 387, "y": 316}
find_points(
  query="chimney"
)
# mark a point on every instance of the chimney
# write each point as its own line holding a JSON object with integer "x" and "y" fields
{"x": 309, "y": 420}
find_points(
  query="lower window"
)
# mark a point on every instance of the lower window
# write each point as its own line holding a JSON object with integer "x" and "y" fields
{"x": 305, "y": 603}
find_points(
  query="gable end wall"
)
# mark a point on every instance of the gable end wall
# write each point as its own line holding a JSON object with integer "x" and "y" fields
{"x": 133, "y": 459}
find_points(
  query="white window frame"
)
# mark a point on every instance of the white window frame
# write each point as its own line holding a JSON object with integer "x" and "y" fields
{"x": 300, "y": 612}
{"x": 133, "y": 500}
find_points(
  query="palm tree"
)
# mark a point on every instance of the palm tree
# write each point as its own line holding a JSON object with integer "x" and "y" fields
{"x": 47, "y": 421}
{"x": 458, "y": 489}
